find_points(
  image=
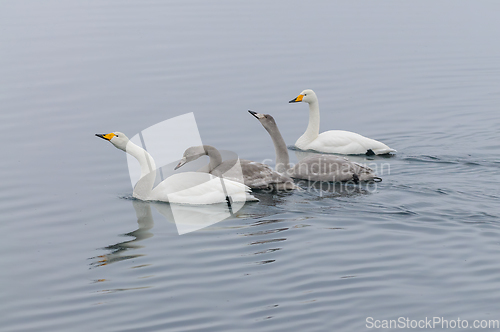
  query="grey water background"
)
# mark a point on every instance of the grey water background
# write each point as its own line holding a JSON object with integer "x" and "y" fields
{"x": 77, "y": 255}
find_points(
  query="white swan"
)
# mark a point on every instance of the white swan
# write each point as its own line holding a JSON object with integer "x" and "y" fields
{"x": 182, "y": 188}
{"x": 333, "y": 141}
{"x": 327, "y": 168}
{"x": 255, "y": 175}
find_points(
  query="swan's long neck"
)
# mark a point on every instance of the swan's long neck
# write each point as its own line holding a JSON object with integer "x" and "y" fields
{"x": 215, "y": 157}
{"x": 282, "y": 159}
{"x": 145, "y": 184}
{"x": 312, "y": 130}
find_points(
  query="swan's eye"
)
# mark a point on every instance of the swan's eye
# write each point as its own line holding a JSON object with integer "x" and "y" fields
{"x": 305, "y": 94}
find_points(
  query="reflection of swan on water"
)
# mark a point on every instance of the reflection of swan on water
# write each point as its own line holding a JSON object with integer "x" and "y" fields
{"x": 145, "y": 222}
{"x": 187, "y": 218}
{"x": 327, "y": 168}
{"x": 253, "y": 174}
{"x": 183, "y": 188}
{"x": 333, "y": 141}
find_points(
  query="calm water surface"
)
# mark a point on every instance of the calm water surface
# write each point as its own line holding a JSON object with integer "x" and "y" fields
{"x": 79, "y": 255}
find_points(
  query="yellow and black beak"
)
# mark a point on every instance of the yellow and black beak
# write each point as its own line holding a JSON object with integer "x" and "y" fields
{"x": 296, "y": 100}
{"x": 107, "y": 137}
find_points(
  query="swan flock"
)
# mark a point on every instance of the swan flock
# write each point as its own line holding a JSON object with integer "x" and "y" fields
{"x": 233, "y": 180}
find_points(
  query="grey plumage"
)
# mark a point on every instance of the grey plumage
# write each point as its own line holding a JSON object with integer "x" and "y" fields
{"x": 255, "y": 175}
{"x": 321, "y": 167}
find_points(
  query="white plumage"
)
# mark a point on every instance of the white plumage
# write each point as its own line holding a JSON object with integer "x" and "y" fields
{"x": 182, "y": 188}
{"x": 333, "y": 141}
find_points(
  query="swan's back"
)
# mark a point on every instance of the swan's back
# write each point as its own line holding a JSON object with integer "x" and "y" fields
{"x": 330, "y": 168}
{"x": 199, "y": 188}
{"x": 255, "y": 175}
{"x": 345, "y": 142}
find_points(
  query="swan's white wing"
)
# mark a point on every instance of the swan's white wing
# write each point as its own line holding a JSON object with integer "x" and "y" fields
{"x": 199, "y": 188}
{"x": 346, "y": 142}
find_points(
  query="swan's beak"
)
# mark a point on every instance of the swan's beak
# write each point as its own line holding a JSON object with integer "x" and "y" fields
{"x": 182, "y": 162}
{"x": 107, "y": 137}
{"x": 257, "y": 115}
{"x": 299, "y": 98}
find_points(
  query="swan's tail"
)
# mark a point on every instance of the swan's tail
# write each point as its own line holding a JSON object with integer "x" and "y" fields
{"x": 238, "y": 192}
{"x": 384, "y": 151}
{"x": 251, "y": 198}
